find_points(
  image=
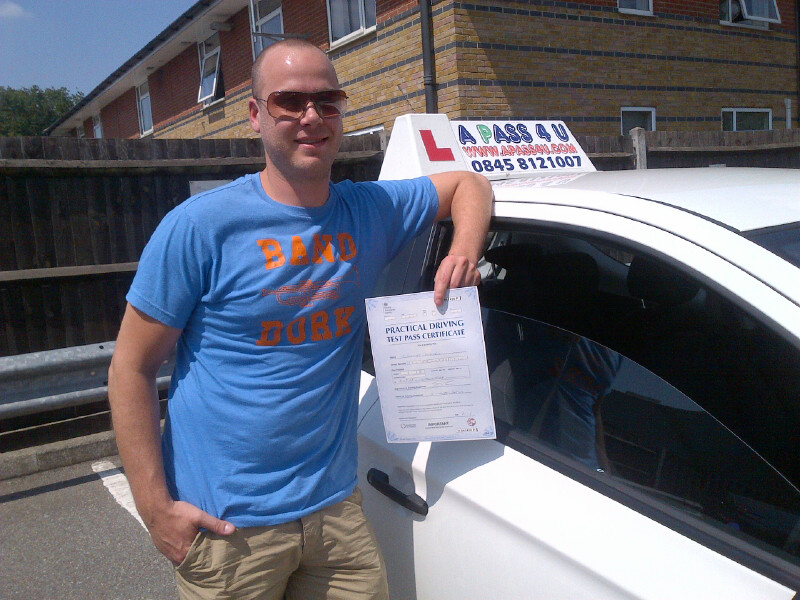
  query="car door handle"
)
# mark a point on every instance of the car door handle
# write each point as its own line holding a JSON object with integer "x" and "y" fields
{"x": 380, "y": 481}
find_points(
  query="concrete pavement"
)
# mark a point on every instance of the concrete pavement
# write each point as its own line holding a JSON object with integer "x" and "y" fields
{"x": 65, "y": 534}
{"x": 45, "y": 457}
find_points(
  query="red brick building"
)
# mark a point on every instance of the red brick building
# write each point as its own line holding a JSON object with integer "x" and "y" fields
{"x": 603, "y": 66}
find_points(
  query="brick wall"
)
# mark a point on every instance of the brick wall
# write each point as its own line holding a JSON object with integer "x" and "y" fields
{"x": 709, "y": 11}
{"x": 227, "y": 118}
{"x": 388, "y": 9}
{"x": 173, "y": 87}
{"x": 173, "y": 90}
{"x": 120, "y": 117}
{"x": 382, "y": 72}
{"x": 695, "y": 9}
{"x": 237, "y": 51}
{"x": 577, "y": 62}
{"x": 308, "y": 18}
{"x": 536, "y": 59}
{"x": 359, "y": 61}
{"x": 788, "y": 13}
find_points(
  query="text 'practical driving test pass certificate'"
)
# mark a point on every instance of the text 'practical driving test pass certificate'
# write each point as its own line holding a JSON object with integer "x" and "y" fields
{"x": 430, "y": 363}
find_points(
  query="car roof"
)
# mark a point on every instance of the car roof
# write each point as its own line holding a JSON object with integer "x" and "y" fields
{"x": 740, "y": 198}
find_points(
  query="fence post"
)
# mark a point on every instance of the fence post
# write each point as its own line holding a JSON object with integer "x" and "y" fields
{"x": 639, "y": 147}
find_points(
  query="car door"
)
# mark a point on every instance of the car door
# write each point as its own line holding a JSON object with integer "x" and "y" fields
{"x": 606, "y": 480}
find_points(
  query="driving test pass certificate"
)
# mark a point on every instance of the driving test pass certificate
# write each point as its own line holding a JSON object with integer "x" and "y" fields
{"x": 430, "y": 365}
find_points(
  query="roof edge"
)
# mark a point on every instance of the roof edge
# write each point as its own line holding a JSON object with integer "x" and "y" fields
{"x": 162, "y": 38}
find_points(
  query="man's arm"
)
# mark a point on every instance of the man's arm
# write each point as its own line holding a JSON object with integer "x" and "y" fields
{"x": 466, "y": 198}
{"x": 142, "y": 346}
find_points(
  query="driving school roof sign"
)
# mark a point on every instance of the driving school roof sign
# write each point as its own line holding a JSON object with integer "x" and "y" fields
{"x": 426, "y": 144}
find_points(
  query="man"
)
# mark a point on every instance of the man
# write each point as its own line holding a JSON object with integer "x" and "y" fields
{"x": 261, "y": 283}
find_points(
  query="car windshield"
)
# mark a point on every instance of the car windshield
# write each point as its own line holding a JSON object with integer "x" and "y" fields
{"x": 784, "y": 241}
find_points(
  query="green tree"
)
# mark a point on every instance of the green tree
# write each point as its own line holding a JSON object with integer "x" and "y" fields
{"x": 29, "y": 111}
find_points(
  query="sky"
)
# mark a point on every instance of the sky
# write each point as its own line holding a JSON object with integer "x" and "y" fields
{"x": 76, "y": 43}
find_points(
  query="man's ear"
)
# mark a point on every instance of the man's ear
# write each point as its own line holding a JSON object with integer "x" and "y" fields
{"x": 254, "y": 109}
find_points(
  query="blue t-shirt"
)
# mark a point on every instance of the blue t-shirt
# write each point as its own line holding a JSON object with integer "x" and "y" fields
{"x": 261, "y": 427}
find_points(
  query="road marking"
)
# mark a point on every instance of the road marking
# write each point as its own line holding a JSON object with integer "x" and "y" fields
{"x": 117, "y": 485}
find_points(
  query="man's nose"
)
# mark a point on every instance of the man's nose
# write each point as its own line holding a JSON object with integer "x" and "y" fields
{"x": 311, "y": 113}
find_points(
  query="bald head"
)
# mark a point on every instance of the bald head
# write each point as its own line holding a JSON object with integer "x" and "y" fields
{"x": 299, "y": 151}
{"x": 287, "y": 50}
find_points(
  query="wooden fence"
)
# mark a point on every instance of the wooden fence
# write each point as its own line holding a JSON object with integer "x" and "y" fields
{"x": 671, "y": 149}
{"x": 773, "y": 148}
{"x": 75, "y": 215}
{"x": 609, "y": 152}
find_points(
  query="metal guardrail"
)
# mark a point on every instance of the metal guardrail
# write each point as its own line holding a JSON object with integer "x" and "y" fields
{"x": 44, "y": 381}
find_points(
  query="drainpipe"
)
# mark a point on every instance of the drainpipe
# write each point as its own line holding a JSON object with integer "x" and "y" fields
{"x": 428, "y": 66}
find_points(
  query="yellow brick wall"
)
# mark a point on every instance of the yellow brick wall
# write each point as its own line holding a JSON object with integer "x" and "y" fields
{"x": 517, "y": 64}
{"x": 687, "y": 70}
{"x": 225, "y": 119}
{"x": 383, "y": 74}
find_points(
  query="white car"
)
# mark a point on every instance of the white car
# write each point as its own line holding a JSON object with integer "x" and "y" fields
{"x": 642, "y": 333}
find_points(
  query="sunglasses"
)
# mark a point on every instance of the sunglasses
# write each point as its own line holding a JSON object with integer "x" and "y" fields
{"x": 293, "y": 105}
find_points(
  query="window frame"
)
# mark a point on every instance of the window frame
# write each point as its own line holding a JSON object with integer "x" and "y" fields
{"x": 735, "y": 110}
{"x": 636, "y": 11}
{"x": 750, "y": 17}
{"x": 642, "y": 109}
{"x": 140, "y": 98}
{"x": 97, "y": 126}
{"x": 758, "y": 23}
{"x": 356, "y": 33}
{"x": 255, "y": 26}
{"x": 203, "y": 57}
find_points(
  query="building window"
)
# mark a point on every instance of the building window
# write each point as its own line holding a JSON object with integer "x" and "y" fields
{"x": 97, "y": 126}
{"x": 637, "y": 116}
{"x": 267, "y": 20}
{"x": 752, "y": 13}
{"x": 636, "y": 7}
{"x": 211, "y": 87}
{"x": 79, "y": 132}
{"x": 746, "y": 119}
{"x": 145, "y": 111}
{"x": 348, "y": 19}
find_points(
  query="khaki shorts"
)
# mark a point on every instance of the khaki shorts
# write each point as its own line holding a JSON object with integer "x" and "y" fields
{"x": 331, "y": 554}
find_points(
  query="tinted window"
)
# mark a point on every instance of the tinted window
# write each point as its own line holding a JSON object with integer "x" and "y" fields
{"x": 603, "y": 410}
{"x": 636, "y": 369}
{"x": 599, "y": 408}
{"x": 737, "y": 369}
{"x": 403, "y": 272}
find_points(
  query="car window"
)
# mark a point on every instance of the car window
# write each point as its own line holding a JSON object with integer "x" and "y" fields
{"x": 407, "y": 265}
{"x": 642, "y": 373}
{"x": 599, "y": 408}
